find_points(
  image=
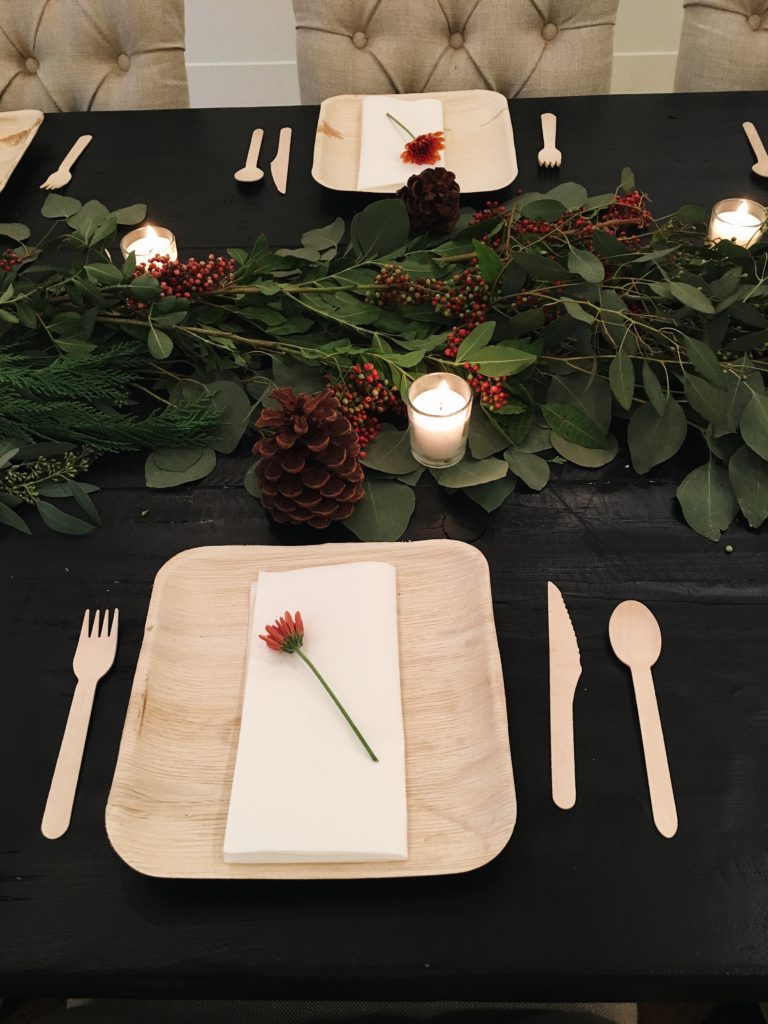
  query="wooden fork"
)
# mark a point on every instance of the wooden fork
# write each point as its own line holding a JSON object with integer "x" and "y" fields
{"x": 549, "y": 155}
{"x": 94, "y": 657}
{"x": 63, "y": 176}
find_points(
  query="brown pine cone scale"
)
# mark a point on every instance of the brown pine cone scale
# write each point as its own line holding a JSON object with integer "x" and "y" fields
{"x": 309, "y": 471}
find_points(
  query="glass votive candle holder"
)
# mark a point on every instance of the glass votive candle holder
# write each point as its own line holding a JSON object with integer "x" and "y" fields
{"x": 439, "y": 407}
{"x": 741, "y": 221}
{"x": 147, "y": 242}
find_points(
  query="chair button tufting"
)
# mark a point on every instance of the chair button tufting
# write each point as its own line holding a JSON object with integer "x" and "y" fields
{"x": 755, "y": 22}
{"x": 124, "y": 62}
{"x": 360, "y": 39}
{"x": 32, "y": 65}
{"x": 456, "y": 40}
{"x": 549, "y": 31}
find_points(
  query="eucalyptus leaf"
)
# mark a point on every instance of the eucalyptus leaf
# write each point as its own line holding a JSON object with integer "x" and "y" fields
{"x": 588, "y": 458}
{"x": 539, "y": 266}
{"x": 627, "y": 180}
{"x": 690, "y": 214}
{"x": 485, "y": 436}
{"x": 542, "y": 209}
{"x": 10, "y": 518}
{"x": 754, "y": 425}
{"x": 160, "y": 345}
{"x": 491, "y": 496}
{"x": 706, "y": 363}
{"x": 93, "y": 211}
{"x": 621, "y": 376}
{"x": 18, "y": 232}
{"x": 145, "y": 288}
{"x": 653, "y": 438}
{"x": 390, "y": 452}
{"x": 586, "y": 265}
{"x": 577, "y": 311}
{"x": 748, "y": 474}
{"x": 477, "y": 339}
{"x": 104, "y": 274}
{"x": 503, "y": 360}
{"x": 381, "y": 228}
{"x": 590, "y": 395}
{"x": 489, "y": 263}
{"x": 707, "y": 500}
{"x": 172, "y": 467}
{"x": 574, "y": 426}
{"x": 653, "y": 389}
{"x": 531, "y": 469}
{"x": 691, "y": 297}
{"x": 384, "y": 512}
{"x": 472, "y": 472}
{"x": 709, "y": 402}
{"x": 62, "y": 522}
{"x": 58, "y": 207}
{"x": 130, "y": 215}
{"x": 251, "y": 482}
{"x": 570, "y": 194}
{"x": 235, "y": 407}
{"x": 81, "y": 495}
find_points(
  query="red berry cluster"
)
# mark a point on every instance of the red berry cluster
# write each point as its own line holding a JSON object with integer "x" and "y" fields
{"x": 365, "y": 397}
{"x": 184, "y": 280}
{"x": 9, "y": 261}
{"x": 490, "y": 389}
{"x": 393, "y": 287}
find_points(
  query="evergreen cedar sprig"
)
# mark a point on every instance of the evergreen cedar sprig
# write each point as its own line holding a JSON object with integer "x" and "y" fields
{"x": 567, "y": 314}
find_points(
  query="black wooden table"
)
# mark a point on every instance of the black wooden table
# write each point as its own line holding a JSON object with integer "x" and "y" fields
{"x": 588, "y": 903}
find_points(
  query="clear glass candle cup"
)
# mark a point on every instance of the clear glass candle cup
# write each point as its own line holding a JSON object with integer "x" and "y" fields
{"x": 147, "y": 242}
{"x": 439, "y": 407}
{"x": 737, "y": 220}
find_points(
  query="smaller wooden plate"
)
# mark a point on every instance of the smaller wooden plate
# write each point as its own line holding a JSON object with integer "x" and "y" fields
{"x": 479, "y": 143}
{"x": 17, "y": 129}
{"x": 167, "y": 809}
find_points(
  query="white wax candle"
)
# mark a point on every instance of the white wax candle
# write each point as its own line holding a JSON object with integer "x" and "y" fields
{"x": 148, "y": 242}
{"x": 737, "y": 226}
{"x": 438, "y": 424}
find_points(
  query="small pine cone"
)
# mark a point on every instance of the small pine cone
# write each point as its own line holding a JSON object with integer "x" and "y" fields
{"x": 432, "y": 199}
{"x": 309, "y": 471}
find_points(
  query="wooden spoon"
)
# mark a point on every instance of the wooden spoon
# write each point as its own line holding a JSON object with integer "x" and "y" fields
{"x": 761, "y": 167}
{"x": 636, "y": 641}
{"x": 252, "y": 172}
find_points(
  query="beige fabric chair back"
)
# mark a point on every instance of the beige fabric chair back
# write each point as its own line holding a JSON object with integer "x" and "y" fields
{"x": 516, "y": 47}
{"x": 723, "y": 46}
{"x": 92, "y": 54}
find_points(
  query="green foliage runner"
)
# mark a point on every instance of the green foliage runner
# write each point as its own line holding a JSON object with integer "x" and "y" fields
{"x": 586, "y": 322}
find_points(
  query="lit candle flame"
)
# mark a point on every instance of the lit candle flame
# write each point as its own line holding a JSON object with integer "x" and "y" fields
{"x": 741, "y": 210}
{"x": 442, "y": 394}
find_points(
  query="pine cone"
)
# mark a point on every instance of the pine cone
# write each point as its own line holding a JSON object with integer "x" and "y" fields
{"x": 432, "y": 199}
{"x": 308, "y": 472}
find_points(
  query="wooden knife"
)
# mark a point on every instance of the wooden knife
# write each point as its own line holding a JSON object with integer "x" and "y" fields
{"x": 564, "y": 674}
{"x": 279, "y": 165}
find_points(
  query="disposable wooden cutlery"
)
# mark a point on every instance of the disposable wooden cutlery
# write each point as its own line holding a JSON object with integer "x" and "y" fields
{"x": 549, "y": 154}
{"x": 279, "y": 165}
{"x": 564, "y": 674}
{"x": 251, "y": 171}
{"x": 94, "y": 657}
{"x": 636, "y": 641}
{"x": 63, "y": 176}
{"x": 761, "y": 167}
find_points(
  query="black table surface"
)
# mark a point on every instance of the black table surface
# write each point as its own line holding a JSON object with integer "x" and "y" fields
{"x": 587, "y": 903}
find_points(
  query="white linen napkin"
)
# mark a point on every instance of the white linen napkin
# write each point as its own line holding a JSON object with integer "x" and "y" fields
{"x": 382, "y": 141}
{"x": 304, "y": 788}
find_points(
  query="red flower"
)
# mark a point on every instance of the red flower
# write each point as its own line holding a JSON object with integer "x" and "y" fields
{"x": 424, "y": 149}
{"x": 287, "y": 634}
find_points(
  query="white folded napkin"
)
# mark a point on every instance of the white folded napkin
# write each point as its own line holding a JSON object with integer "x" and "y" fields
{"x": 382, "y": 141}
{"x": 304, "y": 788}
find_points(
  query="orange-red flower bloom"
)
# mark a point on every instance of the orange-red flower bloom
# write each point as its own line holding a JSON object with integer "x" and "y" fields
{"x": 424, "y": 149}
{"x": 287, "y": 634}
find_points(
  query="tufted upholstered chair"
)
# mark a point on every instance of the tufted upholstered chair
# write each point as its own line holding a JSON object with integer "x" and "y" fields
{"x": 92, "y": 54}
{"x": 723, "y": 46}
{"x": 516, "y": 47}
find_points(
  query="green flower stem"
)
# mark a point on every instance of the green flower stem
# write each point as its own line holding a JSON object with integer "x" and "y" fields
{"x": 401, "y": 125}
{"x": 338, "y": 704}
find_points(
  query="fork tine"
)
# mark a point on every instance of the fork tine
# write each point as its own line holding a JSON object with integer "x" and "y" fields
{"x": 104, "y": 631}
{"x": 95, "y": 625}
{"x": 115, "y": 623}
{"x": 84, "y": 628}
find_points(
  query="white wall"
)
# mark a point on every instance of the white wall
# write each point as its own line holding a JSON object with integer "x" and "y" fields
{"x": 241, "y": 53}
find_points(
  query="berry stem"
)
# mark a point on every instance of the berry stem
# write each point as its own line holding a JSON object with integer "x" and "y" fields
{"x": 401, "y": 125}
{"x": 338, "y": 704}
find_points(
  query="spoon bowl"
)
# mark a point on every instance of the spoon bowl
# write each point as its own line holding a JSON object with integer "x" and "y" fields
{"x": 249, "y": 174}
{"x": 635, "y": 634}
